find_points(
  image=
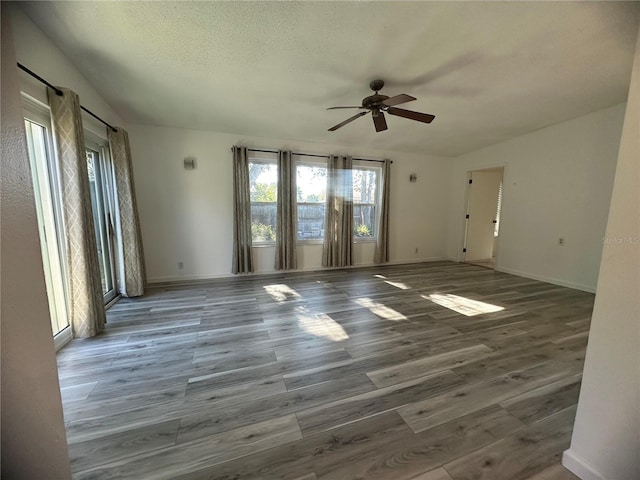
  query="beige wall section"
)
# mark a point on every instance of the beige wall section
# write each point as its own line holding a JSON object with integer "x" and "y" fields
{"x": 33, "y": 436}
{"x": 557, "y": 183}
{"x": 606, "y": 435}
{"x": 186, "y": 215}
{"x": 36, "y": 51}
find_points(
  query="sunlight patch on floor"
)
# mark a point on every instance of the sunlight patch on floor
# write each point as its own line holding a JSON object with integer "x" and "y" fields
{"x": 400, "y": 285}
{"x": 380, "y": 309}
{"x": 322, "y": 325}
{"x": 281, "y": 292}
{"x": 463, "y": 305}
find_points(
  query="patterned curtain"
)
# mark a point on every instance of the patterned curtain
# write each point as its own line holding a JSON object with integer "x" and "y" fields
{"x": 338, "y": 231}
{"x": 133, "y": 272}
{"x": 286, "y": 233}
{"x": 85, "y": 287}
{"x": 242, "y": 261}
{"x": 382, "y": 239}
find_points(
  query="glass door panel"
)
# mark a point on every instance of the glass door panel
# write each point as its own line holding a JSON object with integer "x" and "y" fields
{"x": 49, "y": 228}
{"x": 102, "y": 220}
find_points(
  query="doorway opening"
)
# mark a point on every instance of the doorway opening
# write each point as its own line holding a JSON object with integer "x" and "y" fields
{"x": 482, "y": 219}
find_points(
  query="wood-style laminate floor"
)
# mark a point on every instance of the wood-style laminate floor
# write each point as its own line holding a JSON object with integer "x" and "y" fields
{"x": 433, "y": 371}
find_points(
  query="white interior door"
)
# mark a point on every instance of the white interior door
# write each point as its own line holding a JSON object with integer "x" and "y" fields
{"x": 482, "y": 207}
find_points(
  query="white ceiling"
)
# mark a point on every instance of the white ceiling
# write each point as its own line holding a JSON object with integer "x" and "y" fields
{"x": 489, "y": 71}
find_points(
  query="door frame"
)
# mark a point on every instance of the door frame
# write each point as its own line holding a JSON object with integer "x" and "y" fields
{"x": 465, "y": 209}
{"x": 101, "y": 146}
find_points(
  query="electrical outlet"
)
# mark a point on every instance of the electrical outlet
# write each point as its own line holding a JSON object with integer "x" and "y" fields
{"x": 180, "y": 265}
{"x": 416, "y": 250}
{"x": 560, "y": 240}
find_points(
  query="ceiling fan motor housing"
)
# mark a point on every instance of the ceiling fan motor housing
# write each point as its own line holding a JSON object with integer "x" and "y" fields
{"x": 374, "y": 101}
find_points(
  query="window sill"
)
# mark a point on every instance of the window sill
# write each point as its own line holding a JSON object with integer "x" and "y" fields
{"x": 316, "y": 241}
{"x": 302, "y": 243}
{"x": 263, "y": 244}
{"x": 364, "y": 240}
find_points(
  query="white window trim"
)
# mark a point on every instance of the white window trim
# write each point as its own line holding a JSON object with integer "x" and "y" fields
{"x": 266, "y": 158}
{"x": 360, "y": 165}
{"x": 310, "y": 162}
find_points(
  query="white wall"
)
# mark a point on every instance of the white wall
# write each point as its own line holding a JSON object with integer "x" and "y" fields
{"x": 186, "y": 215}
{"x": 606, "y": 435}
{"x": 557, "y": 183}
{"x": 35, "y": 51}
{"x": 33, "y": 435}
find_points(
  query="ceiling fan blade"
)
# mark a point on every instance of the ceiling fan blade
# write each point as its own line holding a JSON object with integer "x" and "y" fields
{"x": 379, "y": 121}
{"x": 420, "y": 117}
{"x": 348, "y": 120}
{"x": 335, "y": 108}
{"x": 398, "y": 99}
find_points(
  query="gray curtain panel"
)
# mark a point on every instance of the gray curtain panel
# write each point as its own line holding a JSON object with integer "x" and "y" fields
{"x": 133, "y": 274}
{"x": 85, "y": 287}
{"x": 286, "y": 233}
{"x": 242, "y": 259}
{"x": 338, "y": 231}
{"x": 382, "y": 239}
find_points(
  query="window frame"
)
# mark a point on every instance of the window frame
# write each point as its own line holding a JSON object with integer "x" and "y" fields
{"x": 267, "y": 158}
{"x": 308, "y": 161}
{"x": 100, "y": 145}
{"x": 361, "y": 165}
{"x": 39, "y": 114}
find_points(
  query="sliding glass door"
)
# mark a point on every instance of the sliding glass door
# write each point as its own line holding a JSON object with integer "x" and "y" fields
{"x": 48, "y": 210}
{"x": 102, "y": 202}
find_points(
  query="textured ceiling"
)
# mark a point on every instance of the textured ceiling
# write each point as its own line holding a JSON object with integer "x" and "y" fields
{"x": 489, "y": 71}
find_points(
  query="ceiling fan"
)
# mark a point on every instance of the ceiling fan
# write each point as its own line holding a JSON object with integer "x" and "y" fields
{"x": 378, "y": 104}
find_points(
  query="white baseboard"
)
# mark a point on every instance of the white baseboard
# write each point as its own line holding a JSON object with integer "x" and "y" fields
{"x": 543, "y": 278}
{"x": 579, "y": 467}
{"x": 155, "y": 281}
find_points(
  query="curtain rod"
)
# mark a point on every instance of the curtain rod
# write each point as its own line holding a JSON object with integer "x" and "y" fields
{"x": 60, "y": 93}
{"x": 312, "y": 155}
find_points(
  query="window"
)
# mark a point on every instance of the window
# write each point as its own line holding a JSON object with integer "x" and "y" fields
{"x": 311, "y": 184}
{"x": 365, "y": 201}
{"x": 45, "y": 177}
{"x": 263, "y": 183}
{"x": 311, "y": 197}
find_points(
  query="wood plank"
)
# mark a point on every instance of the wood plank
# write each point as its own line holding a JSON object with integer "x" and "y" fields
{"x": 538, "y": 446}
{"x": 461, "y": 401}
{"x": 356, "y": 407}
{"x": 433, "y": 363}
{"x": 123, "y": 445}
{"x": 168, "y": 463}
{"x": 200, "y": 425}
{"x": 544, "y": 401}
{"x": 554, "y": 472}
{"x": 437, "y": 474}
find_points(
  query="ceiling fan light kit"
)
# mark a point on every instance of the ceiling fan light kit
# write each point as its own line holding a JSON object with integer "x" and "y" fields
{"x": 377, "y": 104}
